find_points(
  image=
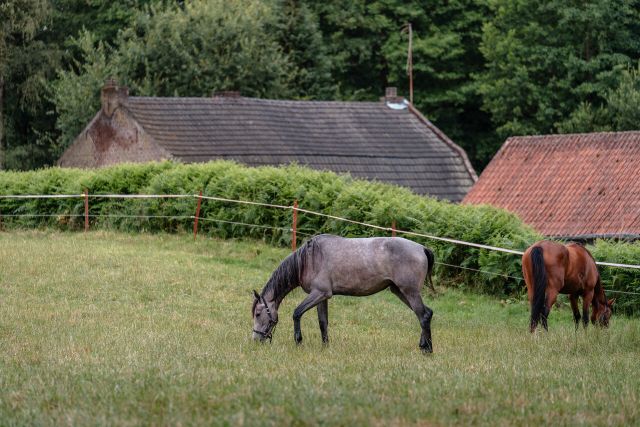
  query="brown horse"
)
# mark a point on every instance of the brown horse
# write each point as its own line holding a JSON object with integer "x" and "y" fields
{"x": 550, "y": 269}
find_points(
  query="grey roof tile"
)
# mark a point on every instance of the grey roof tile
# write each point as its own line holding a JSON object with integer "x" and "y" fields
{"x": 367, "y": 139}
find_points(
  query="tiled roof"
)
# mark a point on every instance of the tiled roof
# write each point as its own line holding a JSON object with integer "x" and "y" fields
{"x": 567, "y": 185}
{"x": 367, "y": 139}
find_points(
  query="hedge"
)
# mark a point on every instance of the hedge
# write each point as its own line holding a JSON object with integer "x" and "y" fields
{"x": 327, "y": 192}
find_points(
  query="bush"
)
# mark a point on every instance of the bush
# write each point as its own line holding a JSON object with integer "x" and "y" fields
{"x": 338, "y": 195}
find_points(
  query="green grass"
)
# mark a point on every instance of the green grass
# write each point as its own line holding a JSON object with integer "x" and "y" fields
{"x": 110, "y": 328}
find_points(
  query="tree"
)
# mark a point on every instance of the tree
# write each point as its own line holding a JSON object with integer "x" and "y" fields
{"x": 20, "y": 21}
{"x": 33, "y": 46}
{"x": 550, "y": 64}
{"x": 191, "y": 50}
{"x": 369, "y": 52}
{"x": 619, "y": 111}
{"x": 298, "y": 33}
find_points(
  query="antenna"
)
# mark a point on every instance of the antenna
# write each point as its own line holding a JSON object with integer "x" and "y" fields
{"x": 408, "y": 29}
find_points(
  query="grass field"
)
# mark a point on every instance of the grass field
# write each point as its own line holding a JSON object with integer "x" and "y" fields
{"x": 120, "y": 329}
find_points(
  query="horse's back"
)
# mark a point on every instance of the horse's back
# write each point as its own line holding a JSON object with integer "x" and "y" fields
{"x": 367, "y": 263}
{"x": 555, "y": 254}
{"x": 555, "y": 258}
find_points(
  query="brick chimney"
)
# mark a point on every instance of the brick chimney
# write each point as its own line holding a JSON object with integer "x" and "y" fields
{"x": 391, "y": 96}
{"x": 113, "y": 96}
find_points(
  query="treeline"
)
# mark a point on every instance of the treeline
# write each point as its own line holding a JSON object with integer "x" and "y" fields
{"x": 483, "y": 69}
{"x": 326, "y": 192}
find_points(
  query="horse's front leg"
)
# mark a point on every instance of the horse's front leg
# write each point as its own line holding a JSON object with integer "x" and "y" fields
{"x": 574, "y": 307}
{"x": 313, "y": 299}
{"x": 323, "y": 320}
{"x": 587, "y": 298}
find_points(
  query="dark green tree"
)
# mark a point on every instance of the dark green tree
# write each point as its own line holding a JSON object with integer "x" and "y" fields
{"x": 369, "y": 52}
{"x": 23, "y": 64}
{"x": 191, "y": 50}
{"x": 34, "y": 44}
{"x": 619, "y": 111}
{"x": 550, "y": 64}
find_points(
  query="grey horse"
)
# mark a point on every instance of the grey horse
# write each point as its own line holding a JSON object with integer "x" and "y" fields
{"x": 331, "y": 265}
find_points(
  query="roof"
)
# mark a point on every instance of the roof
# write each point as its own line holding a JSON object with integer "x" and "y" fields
{"x": 578, "y": 185}
{"x": 367, "y": 139}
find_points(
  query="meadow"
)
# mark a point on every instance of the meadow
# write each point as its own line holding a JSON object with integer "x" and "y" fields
{"x": 109, "y": 328}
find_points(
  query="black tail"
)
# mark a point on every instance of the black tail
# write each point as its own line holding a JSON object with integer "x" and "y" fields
{"x": 539, "y": 286}
{"x": 431, "y": 260}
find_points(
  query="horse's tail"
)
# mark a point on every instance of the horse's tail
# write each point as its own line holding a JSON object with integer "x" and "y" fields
{"x": 539, "y": 284}
{"x": 430, "y": 262}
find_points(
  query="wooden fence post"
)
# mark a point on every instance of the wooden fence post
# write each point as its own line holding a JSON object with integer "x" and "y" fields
{"x": 294, "y": 226}
{"x": 86, "y": 210}
{"x": 195, "y": 223}
{"x": 393, "y": 228}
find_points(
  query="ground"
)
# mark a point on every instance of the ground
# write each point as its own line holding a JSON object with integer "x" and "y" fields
{"x": 131, "y": 329}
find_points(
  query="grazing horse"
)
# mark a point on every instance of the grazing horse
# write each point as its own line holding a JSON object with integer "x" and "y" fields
{"x": 331, "y": 265}
{"x": 551, "y": 268}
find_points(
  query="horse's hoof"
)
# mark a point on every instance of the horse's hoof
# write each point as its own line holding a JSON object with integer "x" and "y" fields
{"x": 426, "y": 350}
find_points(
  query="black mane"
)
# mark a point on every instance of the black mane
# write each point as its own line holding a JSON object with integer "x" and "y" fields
{"x": 288, "y": 275}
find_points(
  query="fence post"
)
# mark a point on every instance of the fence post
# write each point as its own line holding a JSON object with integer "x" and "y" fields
{"x": 393, "y": 228}
{"x": 195, "y": 223}
{"x": 86, "y": 210}
{"x": 294, "y": 225}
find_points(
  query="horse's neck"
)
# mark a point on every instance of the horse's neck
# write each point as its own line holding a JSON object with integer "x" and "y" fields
{"x": 271, "y": 296}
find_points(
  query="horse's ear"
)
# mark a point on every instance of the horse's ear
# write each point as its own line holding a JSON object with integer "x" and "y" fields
{"x": 255, "y": 294}
{"x": 611, "y": 302}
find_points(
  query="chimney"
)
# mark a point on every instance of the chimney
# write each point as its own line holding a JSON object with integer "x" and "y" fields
{"x": 113, "y": 96}
{"x": 391, "y": 96}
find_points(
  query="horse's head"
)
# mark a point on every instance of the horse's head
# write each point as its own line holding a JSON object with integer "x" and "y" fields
{"x": 603, "y": 312}
{"x": 265, "y": 317}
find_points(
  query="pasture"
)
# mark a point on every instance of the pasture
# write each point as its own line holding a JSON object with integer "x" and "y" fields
{"x": 109, "y": 328}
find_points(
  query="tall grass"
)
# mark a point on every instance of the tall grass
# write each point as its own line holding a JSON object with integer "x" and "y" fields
{"x": 117, "y": 329}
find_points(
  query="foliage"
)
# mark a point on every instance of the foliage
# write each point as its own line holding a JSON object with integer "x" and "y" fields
{"x": 620, "y": 279}
{"x": 25, "y": 63}
{"x": 34, "y": 45}
{"x": 620, "y": 110}
{"x": 196, "y": 49}
{"x": 368, "y": 48}
{"x": 546, "y": 59}
{"x": 325, "y": 192}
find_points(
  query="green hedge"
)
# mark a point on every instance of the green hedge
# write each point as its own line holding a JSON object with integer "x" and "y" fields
{"x": 338, "y": 195}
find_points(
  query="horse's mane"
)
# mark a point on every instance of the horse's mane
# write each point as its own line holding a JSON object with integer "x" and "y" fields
{"x": 288, "y": 275}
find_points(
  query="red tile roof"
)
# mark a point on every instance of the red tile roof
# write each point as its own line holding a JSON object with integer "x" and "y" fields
{"x": 579, "y": 185}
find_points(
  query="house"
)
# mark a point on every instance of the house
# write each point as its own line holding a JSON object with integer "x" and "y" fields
{"x": 580, "y": 186}
{"x": 388, "y": 141}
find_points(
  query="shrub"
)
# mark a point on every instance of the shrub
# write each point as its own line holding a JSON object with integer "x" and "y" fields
{"x": 326, "y": 192}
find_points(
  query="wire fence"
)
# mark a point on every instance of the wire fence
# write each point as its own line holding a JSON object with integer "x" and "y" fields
{"x": 293, "y": 229}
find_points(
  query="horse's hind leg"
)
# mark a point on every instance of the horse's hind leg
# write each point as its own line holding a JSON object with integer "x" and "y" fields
{"x": 424, "y": 314}
{"x": 323, "y": 320}
{"x": 393, "y": 288}
{"x": 552, "y": 295}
